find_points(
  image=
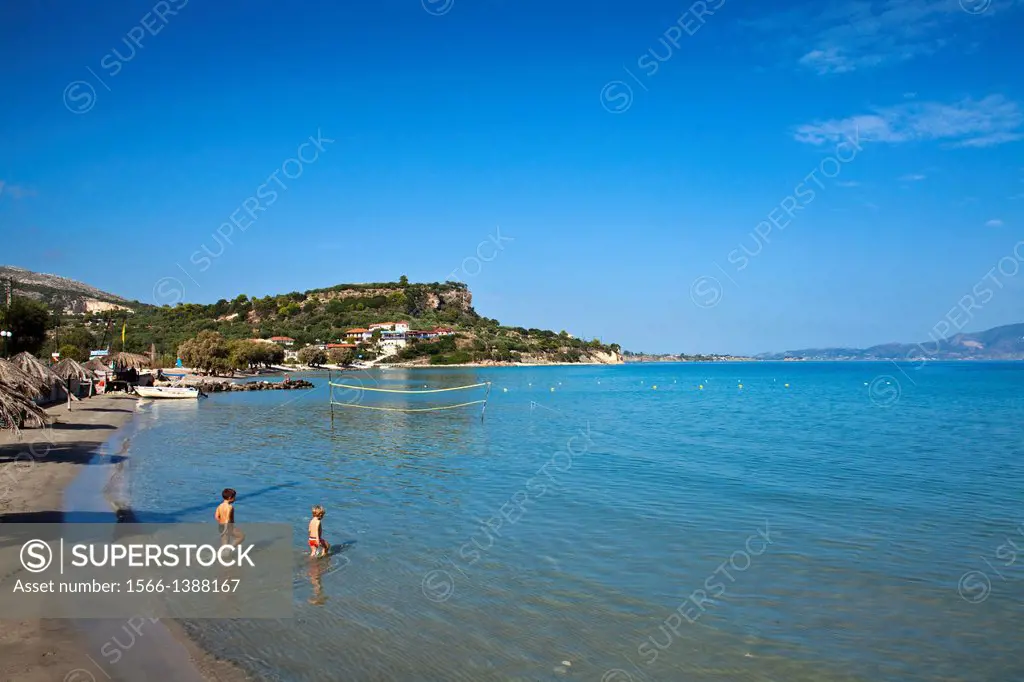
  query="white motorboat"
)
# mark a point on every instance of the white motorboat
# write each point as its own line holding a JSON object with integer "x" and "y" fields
{"x": 177, "y": 392}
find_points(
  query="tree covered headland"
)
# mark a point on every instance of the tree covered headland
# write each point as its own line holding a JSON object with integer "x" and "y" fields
{"x": 317, "y": 316}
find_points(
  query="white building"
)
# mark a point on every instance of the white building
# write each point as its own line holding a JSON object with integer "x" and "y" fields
{"x": 392, "y": 339}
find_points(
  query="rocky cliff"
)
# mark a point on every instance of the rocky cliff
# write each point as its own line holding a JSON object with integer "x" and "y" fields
{"x": 61, "y": 293}
{"x": 429, "y": 296}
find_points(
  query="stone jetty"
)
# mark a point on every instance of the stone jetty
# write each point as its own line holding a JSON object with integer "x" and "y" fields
{"x": 219, "y": 386}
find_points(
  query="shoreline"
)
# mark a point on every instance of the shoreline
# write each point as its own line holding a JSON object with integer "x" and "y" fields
{"x": 490, "y": 365}
{"x": 36, "y": 472}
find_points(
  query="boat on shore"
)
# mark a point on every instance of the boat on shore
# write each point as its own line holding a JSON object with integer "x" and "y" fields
{"x": 173, "y": 392}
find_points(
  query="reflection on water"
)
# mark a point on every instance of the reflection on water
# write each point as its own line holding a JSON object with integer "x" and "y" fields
{"x": 316, "y": 571}
{"x": 497, "y": 549}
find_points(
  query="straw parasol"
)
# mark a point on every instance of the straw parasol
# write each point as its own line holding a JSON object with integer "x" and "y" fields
{"x": 15, "y": 407}
{"x": 128, "y": 360}
{"x": 97, "y": 365}
{"x": 28, "y": 364}
{"x": 68, "y": 369}
{"x": 20, "y": 381}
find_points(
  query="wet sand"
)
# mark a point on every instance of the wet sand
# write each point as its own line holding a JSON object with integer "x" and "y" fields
{"x": 35, "y": 470}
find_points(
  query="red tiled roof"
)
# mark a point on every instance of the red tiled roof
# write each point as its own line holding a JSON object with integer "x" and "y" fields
{"x": 341, "y": 345}
{"x": 281, "y": 338}
{"x": 357, "y": 330}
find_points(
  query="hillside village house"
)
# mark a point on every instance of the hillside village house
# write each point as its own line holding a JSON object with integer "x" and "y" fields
{"x": 399, "y": 327}
{"x": 393, "y": 335}
{"x": 359, "y": 334}
{"x": 285, "y": 341}
{"x": 333, "y": 346}
{"x": 392, "y": 340}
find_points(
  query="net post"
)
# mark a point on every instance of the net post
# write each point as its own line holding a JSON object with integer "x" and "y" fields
{"x": 330, "y": 395}
{"x": 486, "y": 397}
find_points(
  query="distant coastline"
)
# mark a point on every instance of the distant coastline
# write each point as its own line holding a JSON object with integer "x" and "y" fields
{"x": 657, "y": 357}
{"x": 501, "y": 364}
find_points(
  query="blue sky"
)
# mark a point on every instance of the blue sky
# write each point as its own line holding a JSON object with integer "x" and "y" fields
{"x": 627, "y": 160}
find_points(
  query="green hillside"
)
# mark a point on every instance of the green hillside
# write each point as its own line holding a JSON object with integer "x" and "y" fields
{"x": 323, "y": 316}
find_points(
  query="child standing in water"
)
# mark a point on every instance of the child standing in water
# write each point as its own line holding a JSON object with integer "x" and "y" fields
{"x": 317, "y": 545}
{"x": 225, "y": 516}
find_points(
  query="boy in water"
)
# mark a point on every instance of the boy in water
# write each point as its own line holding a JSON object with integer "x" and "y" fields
{"x": 317, "y": 545}
{"x": 225, "y": 516}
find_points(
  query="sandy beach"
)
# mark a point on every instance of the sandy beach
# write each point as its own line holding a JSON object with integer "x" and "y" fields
{"x": 35, "y": 470}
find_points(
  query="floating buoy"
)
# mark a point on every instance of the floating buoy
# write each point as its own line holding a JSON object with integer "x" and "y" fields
{"x": 701, "y": 387}
{"x": 552, "y": 389}
{"x": 741, "y": 385}
{"x": 654, "y": 388}
{"x": 505, "y": 390}
{"x": 787, "y": 385}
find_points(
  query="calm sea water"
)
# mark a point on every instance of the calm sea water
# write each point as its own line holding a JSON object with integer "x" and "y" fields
{"x": 860, "y": 524}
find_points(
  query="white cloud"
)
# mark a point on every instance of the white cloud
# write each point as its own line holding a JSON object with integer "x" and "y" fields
{"x": 913, "y": 177}
{"x": 967, "y": 123}
{"x": 848, "y": 35}
{"x": 995, "y": 222}
{"x": 848, "y": 183}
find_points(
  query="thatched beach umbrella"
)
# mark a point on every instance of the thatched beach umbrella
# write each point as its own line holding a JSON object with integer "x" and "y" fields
{"x": 15, "y": 407}
{"x": 68, "y": 369}
{"x": 17, "y": 379}
{"x": 128, "y": 360}
{"x": 97, "y": 365}
{"x": 28, "y": 364}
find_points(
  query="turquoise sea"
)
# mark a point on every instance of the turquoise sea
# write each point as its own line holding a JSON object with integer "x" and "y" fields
{"x": 862, "y": 523}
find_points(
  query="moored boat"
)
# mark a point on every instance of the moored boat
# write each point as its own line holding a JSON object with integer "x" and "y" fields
{"x": 167, "y": 392}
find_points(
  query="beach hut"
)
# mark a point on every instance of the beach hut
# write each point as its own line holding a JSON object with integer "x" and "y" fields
{"x": 28, "y": 363}
{"x": 16, "y": 408}
{"x": 74, "y": 375}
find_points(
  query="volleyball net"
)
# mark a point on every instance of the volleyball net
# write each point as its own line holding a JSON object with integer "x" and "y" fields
{"x": 355, "y": 393}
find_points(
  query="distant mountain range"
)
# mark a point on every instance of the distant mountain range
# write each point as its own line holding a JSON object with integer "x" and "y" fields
{"x": 999, "y": 343}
